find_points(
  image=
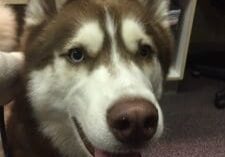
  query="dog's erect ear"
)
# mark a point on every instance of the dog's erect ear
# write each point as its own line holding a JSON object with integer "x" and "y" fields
{"x": 40, "y": 10}
{"x": 160, "y": 10}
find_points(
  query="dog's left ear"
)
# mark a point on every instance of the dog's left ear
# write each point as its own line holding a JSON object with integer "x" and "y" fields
{"x": 39, "y": 10}
{"x": 160, "y": 10}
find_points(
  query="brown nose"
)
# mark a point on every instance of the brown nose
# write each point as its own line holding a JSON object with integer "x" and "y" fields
{"x": 133, "y": 122}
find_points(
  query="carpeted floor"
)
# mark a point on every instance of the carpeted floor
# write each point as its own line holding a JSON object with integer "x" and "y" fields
{"x": 194, "y": 127}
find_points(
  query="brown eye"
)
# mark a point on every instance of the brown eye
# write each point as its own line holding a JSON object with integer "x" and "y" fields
{"x": 145, "y": 50}
{"x": 76, "y": 55}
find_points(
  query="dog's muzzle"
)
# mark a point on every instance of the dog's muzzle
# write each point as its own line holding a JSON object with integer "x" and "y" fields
{"x": 133, "y": 122}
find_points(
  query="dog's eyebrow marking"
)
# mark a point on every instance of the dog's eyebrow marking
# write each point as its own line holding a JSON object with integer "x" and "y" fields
{"x": 90, "y": 36}
{"x": 133, "y": 32}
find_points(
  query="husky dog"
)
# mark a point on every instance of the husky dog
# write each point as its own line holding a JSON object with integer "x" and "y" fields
{"x": 94, "y": 71}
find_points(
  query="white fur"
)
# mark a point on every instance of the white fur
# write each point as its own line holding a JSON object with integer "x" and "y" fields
{"x": 133, "y": 33}
{"x": 111, "y": 29}
{"x": 56, "y": 96}
{"x": 110, "y": 26}
{"x": 61, "y": 91}
{"x": 90, "y": 36}
{"x": 51, "y": 108}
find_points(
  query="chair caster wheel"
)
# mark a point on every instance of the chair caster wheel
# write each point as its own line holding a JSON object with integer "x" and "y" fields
{"x": 220, "y": 100}
{"x": 195, "y": 73}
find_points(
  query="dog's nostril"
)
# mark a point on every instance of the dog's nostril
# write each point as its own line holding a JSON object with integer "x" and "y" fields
{"x": 150, "y": 122}
{"x": 122, "y": 123}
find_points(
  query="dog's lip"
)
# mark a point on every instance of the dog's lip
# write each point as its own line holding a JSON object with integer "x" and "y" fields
{"x": 86, "y": 142}
{"x": 97, "y": 152}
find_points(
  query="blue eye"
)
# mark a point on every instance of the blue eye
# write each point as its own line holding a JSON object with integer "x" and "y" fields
{"x": 76, "y": 55}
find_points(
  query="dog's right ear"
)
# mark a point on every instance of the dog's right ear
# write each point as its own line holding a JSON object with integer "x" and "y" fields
{"x": 159, "y": 9}
{"x": 40, "y": 10}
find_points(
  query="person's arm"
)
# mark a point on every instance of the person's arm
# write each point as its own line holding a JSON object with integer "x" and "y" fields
{"x": 10, "y": 66}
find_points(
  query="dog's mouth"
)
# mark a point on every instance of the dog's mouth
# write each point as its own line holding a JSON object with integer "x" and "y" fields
{"x": 95, "y": 152}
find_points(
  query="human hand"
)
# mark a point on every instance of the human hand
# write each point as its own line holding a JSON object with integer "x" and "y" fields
{"x": 10, "y": 66}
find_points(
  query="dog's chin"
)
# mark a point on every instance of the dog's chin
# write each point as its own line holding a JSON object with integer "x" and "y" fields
{"x": 95, "y": 152}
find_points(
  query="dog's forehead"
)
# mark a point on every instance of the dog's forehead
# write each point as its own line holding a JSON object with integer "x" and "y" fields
{"x": 87, "y": 23}
{"x": 94, "y": 23}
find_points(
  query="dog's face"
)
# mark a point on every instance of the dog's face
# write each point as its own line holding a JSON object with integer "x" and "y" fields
{"x": 95, "y": 71}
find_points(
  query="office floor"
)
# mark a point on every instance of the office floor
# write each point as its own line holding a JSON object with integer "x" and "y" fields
{"x": 194, "y": 127}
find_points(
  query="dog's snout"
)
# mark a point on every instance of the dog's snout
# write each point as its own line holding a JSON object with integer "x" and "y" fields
{"x": 133, "y": 121}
